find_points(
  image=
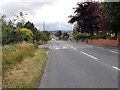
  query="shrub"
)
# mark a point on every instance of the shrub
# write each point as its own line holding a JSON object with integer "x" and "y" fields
{"x": 11, "y": 36}
{"x": 82, "y": 36}
{"x": 96, "y": 37}
{"x": 42, "y": 42}
{"x": 112, "y": 38}
{"x": 28, "y": 35}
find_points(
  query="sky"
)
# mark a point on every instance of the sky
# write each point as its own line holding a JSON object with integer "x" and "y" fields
{"x": 53, "y": 12}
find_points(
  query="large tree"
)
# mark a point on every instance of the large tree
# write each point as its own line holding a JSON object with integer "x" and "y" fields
{"x": 113, "y": 15}
{"x": 86, "y": 15}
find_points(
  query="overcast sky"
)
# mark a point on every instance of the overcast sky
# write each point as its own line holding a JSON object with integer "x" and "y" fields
{"x": 54, "y": 12}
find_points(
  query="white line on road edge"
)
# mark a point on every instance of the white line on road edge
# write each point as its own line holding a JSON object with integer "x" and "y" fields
{"x": 116, "y": 68}
{"x": 47, "y": 52}
{"x": 113, "y": 52}
{"x": 73, "y": 48}
{"x": 89, "y": 55}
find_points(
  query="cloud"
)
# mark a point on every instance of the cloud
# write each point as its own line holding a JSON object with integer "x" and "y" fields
{"x": 54, "y": 12}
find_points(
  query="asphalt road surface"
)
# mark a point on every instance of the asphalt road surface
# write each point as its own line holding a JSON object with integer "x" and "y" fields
{"x": 79, "y": 65}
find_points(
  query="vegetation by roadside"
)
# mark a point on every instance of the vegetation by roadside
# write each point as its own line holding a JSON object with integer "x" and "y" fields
{"x": 23, "y": 65}
{"x": 14, "y": 31}
{"x": 100, "y": 20}
{"x": 41, "y": 42}
{"x": 14, "y": 53}
{"x": 22, "y": 62}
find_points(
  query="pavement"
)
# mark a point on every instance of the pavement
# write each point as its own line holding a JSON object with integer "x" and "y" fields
{"x": 80, "y": 65}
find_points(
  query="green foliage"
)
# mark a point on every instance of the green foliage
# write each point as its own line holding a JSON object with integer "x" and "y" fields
{"x": 112, "y": 38}
{"x": 11, "y": 36}
{"x": 28, "y": 35}
{"x": 58, "y": 33}
{"x": 45, "y": 35}
{"x": 97, "y": 36}
{"x": 13, "y": 33}
{"x": 37, "y": 35}
{"x": 41, "y": 42}
{"x": 113, "y": 15}
{"x": 79, "y": 36}
{"x": 113, "y": 10}
{"x": 30, "y": 26}
{"x": 20, "y": 25}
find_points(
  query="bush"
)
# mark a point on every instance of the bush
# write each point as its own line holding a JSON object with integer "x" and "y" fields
{"x": 96, "y": 37}
{"x": 11, "y": 36}
{"x": 112, "y": 38}
{"x": 82, "y": 36}
{"x": 42, "y": 42}
{"x": 27, "y": 34}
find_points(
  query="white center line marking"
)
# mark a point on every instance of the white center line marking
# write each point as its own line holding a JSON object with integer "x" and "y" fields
{"x": 73, "y": 48}
{"x": 56, "y": 48}
{"x": 116, "y": 68}
{"x": 64, "y": 47}
{"x": 89, "y": 55}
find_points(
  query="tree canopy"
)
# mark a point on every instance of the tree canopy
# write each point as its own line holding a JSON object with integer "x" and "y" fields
{"x": 86, "y": 17}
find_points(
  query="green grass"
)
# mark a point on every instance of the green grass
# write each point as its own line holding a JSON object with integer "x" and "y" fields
{"x": 14, "y": 53}
{"x": 28, "y": 72}
{"x": 0, "y": 66}
{"x": 46, "y": 49}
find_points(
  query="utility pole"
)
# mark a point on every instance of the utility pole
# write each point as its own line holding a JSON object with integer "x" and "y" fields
{"x": 44, "y": 25}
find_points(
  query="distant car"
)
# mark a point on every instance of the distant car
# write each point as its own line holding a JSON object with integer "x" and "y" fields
{"x": 57, "y": 39}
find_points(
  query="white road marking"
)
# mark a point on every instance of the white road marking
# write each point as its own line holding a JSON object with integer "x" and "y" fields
{"x": 113, "y": 52}
{"x": 116, "y": 68}
{"x": 57, "y": 48}
{"x": 73, "y": 48}
{"x": 64, "y": 48}
{"x": 89, "y": 55}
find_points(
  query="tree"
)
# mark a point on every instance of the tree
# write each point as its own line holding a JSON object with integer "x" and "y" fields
{"x": 9, "y": 33}
{"x": 58, "y": 33}
{"x": 20, "y": 25}
{"x": 86, "y": 17}
{"x": 29, "y": 25}
{"x": 65, "y": 35}
{"x": 46, "y": 35}
{"x": 113, "y": 15}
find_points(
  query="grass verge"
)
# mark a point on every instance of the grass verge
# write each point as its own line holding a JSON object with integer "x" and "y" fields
{"x": 27, "y": 73}
{"x": 13, "y": 54}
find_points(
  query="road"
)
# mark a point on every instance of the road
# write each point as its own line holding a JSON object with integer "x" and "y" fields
{"x": 79, "y": 65}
